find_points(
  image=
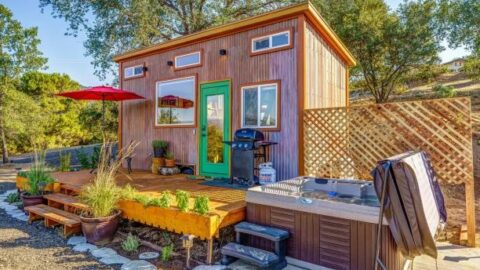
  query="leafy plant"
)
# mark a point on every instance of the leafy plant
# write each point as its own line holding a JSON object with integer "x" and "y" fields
{"x": 159, "y": 144}
{"x": 89, "y": 161}
{"x": 444, "y": 91}
{"x": 169, "y": 155}
{"x": 65, "y": 161}
{"x": 182, "y": 198}
{"x": 38, "y": 176}
{"x": 131, "y": 244}
{"x": 143, "y": 199}
{"x": 201, "y": 205}
{"x": 164, "y": 201}
{"x": 13, "y": 198}
{"x": 166, "y": 253}
{"x": 103, "y": 194}
{"x": 129, "y": 192}
{"x": 23, "y": 174}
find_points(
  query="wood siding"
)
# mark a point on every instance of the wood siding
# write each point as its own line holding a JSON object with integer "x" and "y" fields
{"x": 139, "y": 116}
{"x": 326, "y": 241}
{"x": 326, "y": 83}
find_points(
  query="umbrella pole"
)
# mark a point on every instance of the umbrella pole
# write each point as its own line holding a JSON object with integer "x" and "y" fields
{"x": 103, "y": 114}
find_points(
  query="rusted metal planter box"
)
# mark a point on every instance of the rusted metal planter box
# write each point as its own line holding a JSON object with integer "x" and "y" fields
{"x": 22, "y": 184}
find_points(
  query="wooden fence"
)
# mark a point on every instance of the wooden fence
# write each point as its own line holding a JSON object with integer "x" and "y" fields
{"x": 347, "y": 142}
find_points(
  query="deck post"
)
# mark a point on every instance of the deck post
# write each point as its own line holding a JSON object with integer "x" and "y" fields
{"x": 209, "y": 251}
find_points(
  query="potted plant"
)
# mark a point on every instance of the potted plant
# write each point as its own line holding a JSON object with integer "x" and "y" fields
{"x": 38, "y": 177}
{"x": 169, "y": 160}
{"x": 159, "y": 148}
{"x": 100, "y": 223}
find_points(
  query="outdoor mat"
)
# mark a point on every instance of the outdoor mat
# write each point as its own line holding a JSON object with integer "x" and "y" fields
{"x": 223, "y": 182}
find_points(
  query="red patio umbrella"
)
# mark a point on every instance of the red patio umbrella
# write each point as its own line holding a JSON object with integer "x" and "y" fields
{"x": 101, "y": 93}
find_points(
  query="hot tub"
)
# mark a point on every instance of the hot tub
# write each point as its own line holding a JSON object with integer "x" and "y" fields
{"x": 332, "y": 222}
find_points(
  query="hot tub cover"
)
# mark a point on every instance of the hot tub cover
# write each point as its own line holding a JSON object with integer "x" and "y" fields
{"x": 414, "y": 205}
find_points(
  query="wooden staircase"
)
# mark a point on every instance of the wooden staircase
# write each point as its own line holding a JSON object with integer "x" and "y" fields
{"x": 62, "y": 209}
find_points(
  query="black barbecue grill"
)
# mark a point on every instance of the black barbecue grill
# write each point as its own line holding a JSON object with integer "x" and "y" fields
{"x": 248, "y": 149}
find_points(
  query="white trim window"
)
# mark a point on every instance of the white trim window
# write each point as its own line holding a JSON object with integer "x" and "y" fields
{"x": 259, "y": 106}
{"x": 188, "y": 60}
{"x": 175, "y": 102}
{"x": 273, "y": 41}
{"x": 132, "y": 72}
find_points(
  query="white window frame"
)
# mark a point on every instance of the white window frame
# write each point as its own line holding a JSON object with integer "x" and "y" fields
{"x": 157, "y": 84}
{"x": 270, "y": 38}
{"x": 134, "y": 75}
{"x": 189, "y": 65}
{"x": 259, "y": 98}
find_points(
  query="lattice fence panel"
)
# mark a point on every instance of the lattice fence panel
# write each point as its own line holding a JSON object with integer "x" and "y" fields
{"x": 341, "y": 142}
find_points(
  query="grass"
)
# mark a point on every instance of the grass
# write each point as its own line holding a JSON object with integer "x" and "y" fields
{"x": 166, "y": 253}
{"x": 103, "y": 194}
{"x": 131, "y": 243}
{"x": 38, "y": 176}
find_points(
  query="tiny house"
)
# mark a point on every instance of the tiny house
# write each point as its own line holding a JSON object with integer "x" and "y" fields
{"x": 261, "y": 72}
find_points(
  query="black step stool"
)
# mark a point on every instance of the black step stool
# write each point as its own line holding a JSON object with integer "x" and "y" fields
{"x": 261, "y": 258}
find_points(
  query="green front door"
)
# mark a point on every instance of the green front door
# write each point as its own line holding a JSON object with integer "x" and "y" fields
{"x": 214, "y": 129}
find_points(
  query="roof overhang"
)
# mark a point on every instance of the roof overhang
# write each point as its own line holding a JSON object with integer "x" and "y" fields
{"x": 241, "y": 25}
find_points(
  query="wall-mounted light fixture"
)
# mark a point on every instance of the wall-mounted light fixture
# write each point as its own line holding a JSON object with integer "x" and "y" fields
{"x": 145, "y": 69}
{"x": 170, "y": 63}
{"x": 222, "y": 52}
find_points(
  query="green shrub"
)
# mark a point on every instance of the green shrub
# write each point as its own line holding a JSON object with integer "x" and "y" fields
{"x": 38, "y": 176}
{"x": 13, "y": 197}
{"x": 164, "y": 201}
{"x": 182, "y": 198}
{"x": 201, "y": 205}
{"x": 65, "y": 161}
{"x": 131, "y": 244}
{"x": 23, "y": 174}
{"x": 159, "y": 144}
{"x": 444, "y": 91}
{"x": 166, "y": 253}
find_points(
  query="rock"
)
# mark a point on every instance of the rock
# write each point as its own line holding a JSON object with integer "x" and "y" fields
{"x": 9, "y": 207}
{"x": 17, "y": 214}
{"x": 22, "y": 218}
{"x": 103, "y": 252}
{"x": 148, "y": 255}
{"x": 138, "y": 265}
{"x": 83, "y": 247}
{"x": 116, "y": 259}
{"x": 8, "y": 192}
{"x": 75, "y": 240}
{"x": 210, "y": 267}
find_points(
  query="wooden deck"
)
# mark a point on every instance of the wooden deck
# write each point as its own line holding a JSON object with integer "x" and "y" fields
{"x": 227, "y": 206}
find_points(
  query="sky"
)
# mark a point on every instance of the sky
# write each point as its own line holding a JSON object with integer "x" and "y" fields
{"x": 66, "y": 54}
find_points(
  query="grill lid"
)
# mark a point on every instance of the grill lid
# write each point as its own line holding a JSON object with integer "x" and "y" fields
{"x": 248, "y": 134}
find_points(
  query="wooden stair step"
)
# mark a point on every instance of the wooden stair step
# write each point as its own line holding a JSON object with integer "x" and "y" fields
{"x": 52, "y": 216}
{"x": 70, "y": 189}
{"x": 252, "y": 255}
{"x": 65, "y": 200}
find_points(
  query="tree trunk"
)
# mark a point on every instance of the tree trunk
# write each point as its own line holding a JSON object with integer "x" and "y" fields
{"x": 4, "y": 142}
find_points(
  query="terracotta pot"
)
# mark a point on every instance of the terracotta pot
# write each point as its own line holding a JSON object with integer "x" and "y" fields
{"x": 31, "y": 200}
{"x": 169, "y": 163}
{"x": 100, "y": 231}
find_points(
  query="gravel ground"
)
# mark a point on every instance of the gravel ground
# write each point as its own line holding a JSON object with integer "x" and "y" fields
{"x": 24, "y": 246}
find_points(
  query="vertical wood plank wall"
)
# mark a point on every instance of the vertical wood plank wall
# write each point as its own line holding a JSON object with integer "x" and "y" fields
{"x": 326, "y": 85}
{"x": 139, "y": 116}
{"x": 327, "y": 241}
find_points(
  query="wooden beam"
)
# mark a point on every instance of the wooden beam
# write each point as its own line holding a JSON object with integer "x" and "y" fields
{"x": 470, "y": 210}
{"x": 301, "y": 90}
